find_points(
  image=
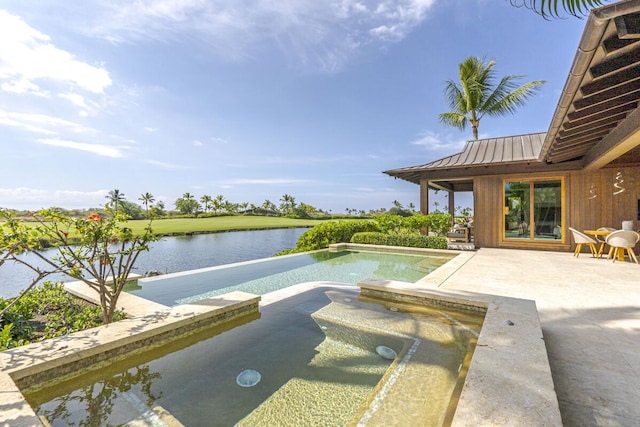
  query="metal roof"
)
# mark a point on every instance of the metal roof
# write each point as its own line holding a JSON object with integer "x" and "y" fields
{"x": 482, "y": 152}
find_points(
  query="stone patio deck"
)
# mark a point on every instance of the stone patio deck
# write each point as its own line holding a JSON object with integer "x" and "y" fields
{"x": 589, "y": 310}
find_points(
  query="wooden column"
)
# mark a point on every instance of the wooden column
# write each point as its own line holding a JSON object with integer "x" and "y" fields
{"x": 424, "y": 196}
{"x": 452, "y": 203}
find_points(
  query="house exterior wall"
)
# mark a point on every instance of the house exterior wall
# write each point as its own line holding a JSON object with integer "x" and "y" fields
{"x": 603, "y": 198}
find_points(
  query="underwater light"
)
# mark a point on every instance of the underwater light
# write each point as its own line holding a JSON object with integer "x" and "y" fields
{"x": 386, "y": 352}
{"x": 248, "y": 378}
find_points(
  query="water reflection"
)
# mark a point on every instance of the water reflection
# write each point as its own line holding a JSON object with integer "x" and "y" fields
{"x": 180, "y": 253}
{"x": 93, "y": 404}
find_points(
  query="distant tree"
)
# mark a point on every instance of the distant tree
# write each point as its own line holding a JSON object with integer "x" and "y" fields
{"x": 268, "y": 205}
{"x": 549, "y": 8}
{"x": 131, "y": 210}
{"x": 230, "y": 206}
{"x": 158, "y": 209}
{"x": 243, "y": 206}
{"x": 288, "y": 203}
{"x": 218, "y": 203}
{"x": 115, "y": 197}
{"x": 206, "y": 202}
{"x": 147, "y": 199}
{"x": 187, "y": 204}
{"x": 477, "y": 94}
{"x": 307, "y": 208}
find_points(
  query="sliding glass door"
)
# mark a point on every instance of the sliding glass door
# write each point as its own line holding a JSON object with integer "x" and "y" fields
{"x": 533, "y": 209}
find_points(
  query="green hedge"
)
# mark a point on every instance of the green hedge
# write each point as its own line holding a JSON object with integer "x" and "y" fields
{"x": 437, "y": 223}
{"x": 327, "y": 233}
{"x": 405, "y": 240}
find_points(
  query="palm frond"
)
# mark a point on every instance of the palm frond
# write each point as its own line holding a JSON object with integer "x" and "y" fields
{"x": 550, "y": 8}
{"x": 454, "y": 119}
{"x": 508, "y": 103}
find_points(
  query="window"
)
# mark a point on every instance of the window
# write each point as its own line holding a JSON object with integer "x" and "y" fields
{"x": 533, "y": 210}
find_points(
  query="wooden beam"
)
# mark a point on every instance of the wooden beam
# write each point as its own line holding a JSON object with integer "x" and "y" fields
{"x": 441, "y": 186}
{"x": 587, "y": 123}
{"x": 622, "y": 139}
{"x": 629, "y": 100}
{"x": 603, "y": 115}
{"x": 614, "y": 43}
{"x": 615, "y": 64}
{"x": 628, "y": 26}
{"x": 570, "y": 135}
{"x": 613, "y": 79}
{"x": 424, "y": 196}
{"x": 607, "y": 95}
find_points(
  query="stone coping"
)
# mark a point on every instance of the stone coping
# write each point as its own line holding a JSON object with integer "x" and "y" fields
{"x": 42, "y": 362}
{"x": 509, "y": 381}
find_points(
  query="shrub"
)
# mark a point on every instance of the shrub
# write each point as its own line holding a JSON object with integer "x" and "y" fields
{"x": 438, "y": 223}
{"x": 404, "y": 240}
{"x": 47, "y": 311}
{"x": 327, "y": 233}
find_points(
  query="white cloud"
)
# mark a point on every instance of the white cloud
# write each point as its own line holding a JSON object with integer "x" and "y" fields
{"x": 273, "y": 181}
{"x": 433, "y": 141}
{"x": 28, "y": 56}
{"x": 197, "y": 143}
{"x": 21, "y": 86}
{"x": 41, "y": 123}
{"x": 32, "y": 198}
{"x": 320, "y": 36}
{"x": 164, "y": 165}
{"x": 75, "y": 99}
{"x": 99, "y": 149}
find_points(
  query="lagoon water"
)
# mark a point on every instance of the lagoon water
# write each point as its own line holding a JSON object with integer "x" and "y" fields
{"x": 180, "y": 253}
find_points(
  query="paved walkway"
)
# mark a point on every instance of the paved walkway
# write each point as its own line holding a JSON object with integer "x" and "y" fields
{"x": 590, "y": 314}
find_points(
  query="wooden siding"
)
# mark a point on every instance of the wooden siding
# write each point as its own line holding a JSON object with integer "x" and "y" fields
{"x": 604, "y": 198}
{"x": 592, "y": 200}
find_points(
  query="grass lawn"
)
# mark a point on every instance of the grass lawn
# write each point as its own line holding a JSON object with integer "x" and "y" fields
{"x": 221, "y": 223}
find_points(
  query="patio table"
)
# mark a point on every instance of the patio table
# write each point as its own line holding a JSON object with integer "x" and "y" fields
{"x": 620, "y": 253}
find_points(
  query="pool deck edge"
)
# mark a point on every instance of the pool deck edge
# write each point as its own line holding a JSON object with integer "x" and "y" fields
{"x": 509, "y": 382}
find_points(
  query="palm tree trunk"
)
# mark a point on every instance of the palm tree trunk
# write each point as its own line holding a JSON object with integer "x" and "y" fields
{"x": 474, "y": 126}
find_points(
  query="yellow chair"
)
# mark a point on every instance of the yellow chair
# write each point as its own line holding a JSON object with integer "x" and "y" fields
{"x": 582, "y": 239}
{"x": 619, "y": 241}
{"x": 602, "y": 239}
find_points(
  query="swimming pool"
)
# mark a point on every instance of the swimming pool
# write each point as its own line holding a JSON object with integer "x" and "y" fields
{"x": 318, "y": 355}
{"x": 270, "y": 274}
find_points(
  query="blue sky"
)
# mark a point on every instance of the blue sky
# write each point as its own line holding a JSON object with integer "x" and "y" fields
{"x": 251, "y": 99}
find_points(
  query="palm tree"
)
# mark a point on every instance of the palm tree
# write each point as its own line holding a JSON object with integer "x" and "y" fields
{"x": 478, "y": 95}
{"x": 187, "y": 204}
{"x": 288, "y": 203}
{"x": 115, "y": 197}
{"x": 206, "y": 202}
{"x": 268, "y": 205}
{"x": 147, "y": 199}
{"x": 218, "y": 203}
{"x": 549, "y": 8}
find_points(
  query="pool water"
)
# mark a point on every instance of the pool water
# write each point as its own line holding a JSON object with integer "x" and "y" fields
{"x": 316, "y": 352}
{"x": 267, "y": 275}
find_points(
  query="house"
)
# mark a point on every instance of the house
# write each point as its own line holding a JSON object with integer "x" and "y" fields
{"x": 584, "y": 172}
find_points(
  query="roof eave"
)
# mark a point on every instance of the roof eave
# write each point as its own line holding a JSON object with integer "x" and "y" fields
{"x": 591, "y": 38}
